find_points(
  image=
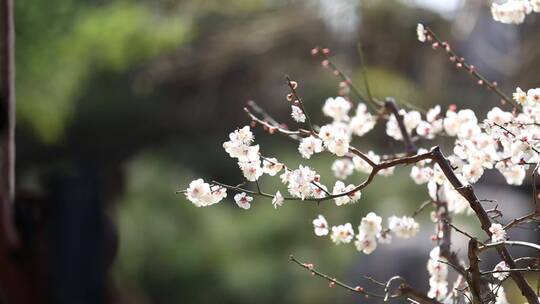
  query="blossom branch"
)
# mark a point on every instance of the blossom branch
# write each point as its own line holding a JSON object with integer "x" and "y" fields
{"x": 404, "y": 290}
{"x": 461, "y": 63}
{"x": 298, "y": 101}
{"x": 327, "y": 62}
{"x": 334, "y": 281}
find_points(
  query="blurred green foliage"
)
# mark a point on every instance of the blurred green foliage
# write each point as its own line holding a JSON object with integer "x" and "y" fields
{"x": 60, "y": 45}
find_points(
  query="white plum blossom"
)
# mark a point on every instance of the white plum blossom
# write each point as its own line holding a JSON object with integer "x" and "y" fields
{"x": 404, "y": 227}
{"x": 337, "y": 108}
{"x": 243, "y": 200}
{"x": 239, "y": 145}
{"x": 520, "y": 96}
{"x": 363, "y": 121}
{"x": 251, "y": 169}
{"x": 410, "y": 120}
{"x": 514, "y": 174}
{"x": 473, "y": 171}
{"x": 320, "y": 225}
{"x": 535, "y": 5}
{"x": 297, "y": 114}
{"x": 342, "y": 168}
{"x": 498, "y": 234}
{"x": 511, "y": 11}
{"x": 342, "y": 234}
{"x": 309, "y": 146}
{"x": 421, "y": 32}
{"x": 339, "y": 144}
{"x": 201, "y": 194}
{"x": 271, "y": 166}
{"x": 278, "y": 200}
{"x": 438, "y": 271}
{"x": 326, "y": 133}
{"x": 371, "y": 224}
{"x": 300, "y": 182}
{"x": 197, "y": 190}
{"x": 361, "y": 165}
{"x": 533, "y": 96}
{"x": 421, "y": 175}
{"x": 499, "y": 116}
{"x": 501, "y": 266}
{"x": 365, "y": 243}
{"x": 340, "y": 188}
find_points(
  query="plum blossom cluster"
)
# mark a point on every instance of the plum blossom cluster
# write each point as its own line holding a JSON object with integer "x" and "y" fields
{"x": 507, "y": 141}
{"x": 202, "y": 194}
{"x": 370, "y": 231}
{"x": 438, "y": 275}
{"x": 514, "y": 11}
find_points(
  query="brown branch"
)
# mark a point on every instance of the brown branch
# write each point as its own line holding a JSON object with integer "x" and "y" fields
{"x": 474, "y": 277}
{"x": 510, "y": 243}
{"x": 391, "y": 106}
{"x": 408, "y": 292}
{"x": 468, "y": 193}
{"x": 521, "y": 220}
{"x": 446, "y": 242}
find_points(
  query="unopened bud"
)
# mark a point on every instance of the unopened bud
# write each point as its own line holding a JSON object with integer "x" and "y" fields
{"x": 293, "y": 84}
{"x": 290, "y": 97}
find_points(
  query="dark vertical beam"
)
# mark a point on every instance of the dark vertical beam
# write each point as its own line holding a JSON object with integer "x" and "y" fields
{"x": 8, "y": 92}
{"x": 7, "y": 89}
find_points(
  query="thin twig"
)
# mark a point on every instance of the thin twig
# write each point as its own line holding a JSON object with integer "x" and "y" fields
{"x": 460, "y": 62}
{"x": 357, "y": 290}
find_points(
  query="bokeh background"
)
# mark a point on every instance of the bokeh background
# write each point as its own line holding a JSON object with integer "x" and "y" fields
{"x": 120, "y": 103}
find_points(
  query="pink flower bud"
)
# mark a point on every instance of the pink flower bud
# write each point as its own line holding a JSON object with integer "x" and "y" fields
{"x": 293, "y": 84}
{"x": 290, "y": 97}
{"x": 314, "y": 51}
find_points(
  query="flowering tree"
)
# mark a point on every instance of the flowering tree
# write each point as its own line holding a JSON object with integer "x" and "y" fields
{"x": 506, "y": 140}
